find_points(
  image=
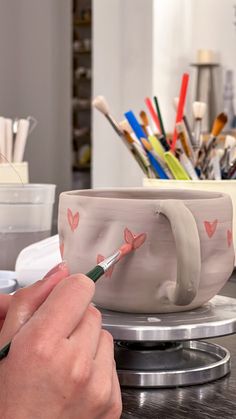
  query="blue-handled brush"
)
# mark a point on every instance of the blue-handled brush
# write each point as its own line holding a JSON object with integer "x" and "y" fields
{"x": 139, "y": 132}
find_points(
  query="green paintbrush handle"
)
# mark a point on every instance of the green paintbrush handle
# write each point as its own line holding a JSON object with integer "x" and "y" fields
{"x": 94, "y": 274}
{"x": 4, "y": 351}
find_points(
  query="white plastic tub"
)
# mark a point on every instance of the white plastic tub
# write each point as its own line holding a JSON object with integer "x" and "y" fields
{"x": 25, "y": 218}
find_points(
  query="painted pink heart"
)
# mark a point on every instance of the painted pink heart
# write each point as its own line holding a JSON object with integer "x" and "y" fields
{"x": 229, "y": 237}
{"x": 128, "y": 235}
{"x": 135, "y": 240}
{"x": 210, "y": 227}
{"x": 139, "y": 240}
{"x": 108, "y": 273}
{"x": 73, "y": 219}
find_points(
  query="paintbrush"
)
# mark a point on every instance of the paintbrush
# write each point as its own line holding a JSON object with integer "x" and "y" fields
{"x": 207, "y": 147}
{"x": 96, "y": 273}
{"x": 187, "y": 146}
{"x": 187, "y": 165}
{"x": 217, "y": 127}
{"x": 162, "y": 137}
{"x": 145, "y": 122}
{"x": 185, "y": 119}
{"x": 176, "y": 167}
{"x": 199, "y": 110}
{"x": 153, "y": 113}
{"x": 215, "y": 164}
{"x": 140, "y": 155}
{"x": 139, "y": 132}
{"x": 135, "y": 143}
{"x": 101, "y": 105}
{"x": 148, "y": 146}
{"x": 151, "y": 138}
{"x": 125, "y": 127}
{"x": 230, "y": 144}
{"x": 181, "y": 105}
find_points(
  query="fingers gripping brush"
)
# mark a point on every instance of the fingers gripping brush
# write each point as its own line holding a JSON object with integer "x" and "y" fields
{"x": 109, "y": 262}
{"x": 132, "y": 242}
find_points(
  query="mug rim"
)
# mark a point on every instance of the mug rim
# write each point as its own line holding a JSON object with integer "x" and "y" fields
{"x": 146, "y": 194}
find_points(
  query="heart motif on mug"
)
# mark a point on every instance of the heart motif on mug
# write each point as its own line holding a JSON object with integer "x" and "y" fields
{"x": 73, "y": 219}
{"x": 210, "y": 227}
{"x": 134, "y": 240}
{"x": 229, "y": 237}
{"x": 108, "y": 273}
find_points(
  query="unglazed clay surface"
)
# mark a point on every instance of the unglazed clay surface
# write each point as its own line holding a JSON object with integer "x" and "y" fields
{"x": 186, "y": 253}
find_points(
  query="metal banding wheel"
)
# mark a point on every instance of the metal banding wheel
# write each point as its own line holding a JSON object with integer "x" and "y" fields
{"x": 158, "y": 350}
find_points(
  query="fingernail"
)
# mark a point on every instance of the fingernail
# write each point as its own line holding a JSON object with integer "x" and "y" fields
{"x": 60, "y": 267}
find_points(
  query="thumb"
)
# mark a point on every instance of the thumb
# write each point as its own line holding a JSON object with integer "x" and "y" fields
{"x": 26, "y": 301}
{"x": 4, "y": 306}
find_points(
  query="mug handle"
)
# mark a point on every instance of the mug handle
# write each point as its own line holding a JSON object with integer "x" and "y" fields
{"x": 188, "y": 251}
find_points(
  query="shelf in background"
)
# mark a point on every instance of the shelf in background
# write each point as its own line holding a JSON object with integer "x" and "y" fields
{"x": 82, "y": 168}
{"x": 78, "y": 109}
{"x": 77, "y": 53}
{"x": 81, "y": 57}
{"x": 79, "y": 22}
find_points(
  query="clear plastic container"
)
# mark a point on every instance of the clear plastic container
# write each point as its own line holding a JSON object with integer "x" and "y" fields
{"x": 25, "y": 218}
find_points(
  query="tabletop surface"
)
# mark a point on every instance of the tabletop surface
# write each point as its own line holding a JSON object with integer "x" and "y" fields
{"x": 215, "y": 400}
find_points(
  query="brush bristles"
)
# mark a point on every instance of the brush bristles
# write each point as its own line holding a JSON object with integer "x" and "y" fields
{"x": 144, "y": 118}
{"x": 146, "y": 144}
{"x": 199, "y": 110}
{"x": 101, "y": 104}
{"x": 219, "y": 124}
{"x": 128, "y": 136}
{"x": 125, "y": 126}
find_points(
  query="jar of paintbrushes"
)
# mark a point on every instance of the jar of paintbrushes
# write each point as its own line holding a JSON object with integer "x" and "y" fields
{"x": 188, "y": 158}
{"x": 13, "y": 138}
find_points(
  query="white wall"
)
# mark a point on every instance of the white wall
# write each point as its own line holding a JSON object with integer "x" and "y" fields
{"x": 123, "y": 68}
{"x": 142, "y": 48}
{"x": 35, "y": 79}
{"x": 172, "y": 39}
{"x": 181, "y": 28}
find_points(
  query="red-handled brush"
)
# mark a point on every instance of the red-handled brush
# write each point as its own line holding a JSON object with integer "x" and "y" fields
{"x": 180, "y": 109}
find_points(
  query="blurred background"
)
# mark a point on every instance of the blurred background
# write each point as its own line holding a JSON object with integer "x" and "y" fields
{"x": 56, "y": 55}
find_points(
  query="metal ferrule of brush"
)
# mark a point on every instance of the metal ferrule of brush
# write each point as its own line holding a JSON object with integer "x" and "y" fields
{"x": 110, "y": 261}
{"x": 188, "y": 129}
{"x": 197, "y": 133}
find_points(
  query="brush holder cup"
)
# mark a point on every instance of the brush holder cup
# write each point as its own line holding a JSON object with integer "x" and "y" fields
{"x": 183, "y": 251}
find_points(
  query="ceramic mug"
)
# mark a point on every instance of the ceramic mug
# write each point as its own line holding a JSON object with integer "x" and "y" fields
{"x": 183, "y": 245}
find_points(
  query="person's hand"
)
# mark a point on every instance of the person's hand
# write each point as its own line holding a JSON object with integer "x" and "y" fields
{"x": 59, "y": 272}
{"x": 61, "y": 363}
{"x": 4, "y": 305}
{"x": 15, "y": 311}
